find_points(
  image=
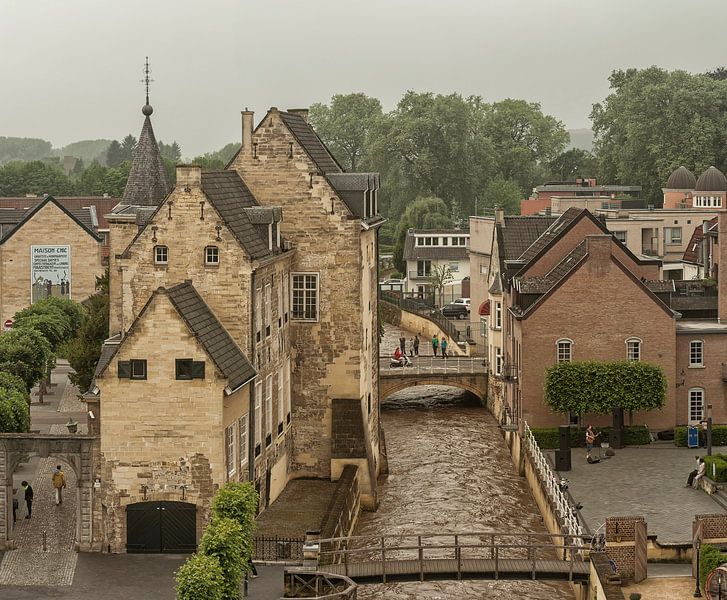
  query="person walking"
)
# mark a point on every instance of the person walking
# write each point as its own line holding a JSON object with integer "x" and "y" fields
{"x": 435, "y": 344}
{"x": 28, "y": 498}
{"x": 444, "y": 347}
{"x": 402, "y": 344}
{"x": 415, "y": 345}
{"x": 59, "y": 482}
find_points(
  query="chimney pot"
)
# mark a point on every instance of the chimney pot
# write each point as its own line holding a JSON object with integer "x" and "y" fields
{"x": 499, "y": 216}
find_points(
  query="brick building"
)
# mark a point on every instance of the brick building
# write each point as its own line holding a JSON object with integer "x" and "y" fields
{"x": 565, "y": 289}
{"x": 244, "y": 336}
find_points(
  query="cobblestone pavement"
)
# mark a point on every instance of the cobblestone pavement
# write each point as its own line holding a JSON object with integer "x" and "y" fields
{"x": 643, "y": 480}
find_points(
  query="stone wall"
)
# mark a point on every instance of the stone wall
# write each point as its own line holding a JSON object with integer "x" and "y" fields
{"x": 621, "y": 546}
{"x": 49, "y": 226}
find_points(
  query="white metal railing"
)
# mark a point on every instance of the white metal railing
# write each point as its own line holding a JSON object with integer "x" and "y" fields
{"x": 427, "y": 365}
{"x": 550, "y": 481}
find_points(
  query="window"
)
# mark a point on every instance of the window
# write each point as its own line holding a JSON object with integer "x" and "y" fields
{"x": 435, "y": 241}
{"x": 281, "y": 403}
{"x": 445, "y": 240}
{"x": 564, "y": 350}
{"x": 498, "y": 315}
{"x": 212, "y": 255}
{"x": 574, "y": 418}
{"x": 242, "y": 428}
{"x": 620, "y": 236}
{"x": 305, "y": 296}
{"x": 268, "y": 410}
{"x": 672, "y": 235}
{"x": 258, "y": 416}
{"x": 268, "y": 308}
{"x": 633, "y": 349}
{"x": 696, "y": 353}
{"x": 696, "y": 405}
{"x": 230, "y": 449}
{"x": 420, "y": 241}
{"x": 498, "y": 361}
{"x": 186, "y": 368}
{"x": 286, "y": 385}
{"x": 424, "y": 268}
{"x": 454, "y": 267}
{"x": 161, "y": 255}
{"x": 132, "y": 369}
{"x": 258, "y": 315}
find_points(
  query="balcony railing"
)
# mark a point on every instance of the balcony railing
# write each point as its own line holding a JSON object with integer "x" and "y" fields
{"x": 509, "y": 371}
{"x": 694, "y": 287}
{"x": 419, "y": 274}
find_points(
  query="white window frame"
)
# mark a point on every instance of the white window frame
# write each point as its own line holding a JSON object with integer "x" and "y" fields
{"x": 619, "y": 235}
{"x": 696, "y": 347}
{"x": 562, "y": 346}
{"x": 633, "y": 349}
{"x": 670, "y": 238}
{"x": 498, "y": 315}
{"x": 498, "y": 361}
{"x": 696, "y": 412}
{"x": 242, "y": 430}
{"x": 305, "y": 289}
{"x": 211, "y": 255}
{"x": 258, "y": 314}
{"x": 158, "y": 251}
{"x": 230, "y": 450}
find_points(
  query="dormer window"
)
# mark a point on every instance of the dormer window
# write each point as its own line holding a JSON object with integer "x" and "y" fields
{"x": 161, "y": 255}
{"x": 212, "y": 255}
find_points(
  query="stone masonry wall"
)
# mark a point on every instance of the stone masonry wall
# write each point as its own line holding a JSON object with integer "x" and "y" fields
{"x": 121, "y": 232}
{"x": 49, "y": 226}
{"x": 326, "y": 354}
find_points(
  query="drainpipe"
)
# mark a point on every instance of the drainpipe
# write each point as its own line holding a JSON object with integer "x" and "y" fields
{"x": 251, "y": 419}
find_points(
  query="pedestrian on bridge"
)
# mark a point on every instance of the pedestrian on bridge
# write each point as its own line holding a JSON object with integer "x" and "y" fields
{"x": 435, "y": 344}
{"x": 402, "y": 344}
{"x": 59, "y": 482}
{"x": 444, "y": 347}
{"x": 415, "y": 345}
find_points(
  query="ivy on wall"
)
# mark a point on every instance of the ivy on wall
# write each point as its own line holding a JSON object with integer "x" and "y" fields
{"x": 601, "y": 387}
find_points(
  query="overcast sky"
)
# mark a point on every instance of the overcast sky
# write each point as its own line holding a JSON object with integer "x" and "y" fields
{"x": 70, "y": 69}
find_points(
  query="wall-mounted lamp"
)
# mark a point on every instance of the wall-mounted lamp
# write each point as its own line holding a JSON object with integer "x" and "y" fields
{"x": 154, "y": 233}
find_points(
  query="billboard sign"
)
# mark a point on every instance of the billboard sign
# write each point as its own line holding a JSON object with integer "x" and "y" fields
{"x": 50, "y": 272}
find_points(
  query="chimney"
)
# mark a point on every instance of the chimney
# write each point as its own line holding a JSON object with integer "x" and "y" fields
{"x": 247, "y": 121}
{"x": 300, "y": 112}
{"x": 499, "y": 216}
{"x": 599, "y": 254}
{"x": 189, "y": 175}
{"x": 720, "y": 257}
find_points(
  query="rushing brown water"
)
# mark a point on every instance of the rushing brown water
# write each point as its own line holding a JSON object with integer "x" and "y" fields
{"x": 450, "y": 471}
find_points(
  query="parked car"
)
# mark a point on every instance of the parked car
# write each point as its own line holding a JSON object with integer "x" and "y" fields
{"x": 456, "y": 310}
{"x": 465, "y": 301}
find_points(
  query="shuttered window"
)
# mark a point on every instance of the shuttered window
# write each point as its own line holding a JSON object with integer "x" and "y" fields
{"x": 186, "y": 368}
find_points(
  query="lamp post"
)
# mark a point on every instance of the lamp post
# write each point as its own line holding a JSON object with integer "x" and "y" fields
{"x": 709, "y": 430}
{"x": 697, "y": 591}
{"x": 719, "y": 586}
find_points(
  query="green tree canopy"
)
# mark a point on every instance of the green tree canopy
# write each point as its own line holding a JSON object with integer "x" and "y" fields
{"x": 9, "y": 381}
{"x": 25, "y": 354}
{"x": 53, "y": 325}
{"x": 503, "y": 193}
{"x": 14, "y": 410}
{"x": 601, "y": 387}
{"x": 423, "y": 213}
{"x": 199, "y": 577}
{"x": 37, "y": 177}
{"x": 23, "y": 149}
{"x": 224, "y": 539}
{"x": 573, "y": 163}
{"x": 346, "y": 125}
{"x": 654, "y": 121}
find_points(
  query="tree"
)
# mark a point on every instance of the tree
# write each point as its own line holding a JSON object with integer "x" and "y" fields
{"x": 53, "y": 325}
{"x": 502, "y": 193}
{"x": 224, "y": 539}
{"x": 114, "y": 154}
{"x": 218, "y": 159}
{"x": 720, "y": 74}
{"x": 345, "y": 125}
{"x": 239, "y": 502}
{"x": 84, "y": 350}
{"x": 439, "y": 277}
{"x": 655, "y": 120}
{"x": 37, "y": 177}
{"x": 573, "y": 163}
{"x": 23, "y": 149}
{"x": 128, "y": 144}
{"x": 25, "y": 354}
{"x": 200, "y": 577}
{"x": 423, "y": 213}
{"x": 14, "y": 411}
{"x": 10, "y": 381}
{"x": 171, "y": 152}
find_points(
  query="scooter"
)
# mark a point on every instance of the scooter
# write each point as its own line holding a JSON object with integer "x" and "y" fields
{"x": 404, "y": 361}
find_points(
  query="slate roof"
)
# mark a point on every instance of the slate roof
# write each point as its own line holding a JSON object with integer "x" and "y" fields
{"x": 414, "y": 252}
{"x": 520, "y": 232}
{"x": 552, "y": 232}
{"x": 210, "y": 333}
{"x": 692, "y": 253}
{"x": 542, "y": 285}
{"x": 659, "y": 286}
{"x": 311, "y": 143}
{"x": 712, "y": 180}
{"x": 147, "y": 184}
{"x": 230, "y": 196}
{"x": 108, "y": 351}
{"x": 102, "y": 204}
{"x": 681, "y": 179}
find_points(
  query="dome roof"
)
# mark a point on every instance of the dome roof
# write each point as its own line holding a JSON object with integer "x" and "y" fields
{"x": 712, "y": 180}
{"x": 681, "y": 179}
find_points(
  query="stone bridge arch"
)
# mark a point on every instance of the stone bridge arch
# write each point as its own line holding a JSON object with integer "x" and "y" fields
{"x": 476, "y": 383}
{"x": 75, "y": 450}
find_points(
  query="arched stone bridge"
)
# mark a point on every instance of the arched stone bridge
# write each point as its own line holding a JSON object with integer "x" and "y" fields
{"x": 466, "y": 373}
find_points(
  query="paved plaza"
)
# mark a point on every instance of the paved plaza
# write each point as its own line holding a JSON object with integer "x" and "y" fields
{"x": 641, "y": 480}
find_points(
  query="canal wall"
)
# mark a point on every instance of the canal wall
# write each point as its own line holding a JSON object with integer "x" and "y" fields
{"x": 342, "y": 512}
{"x": 415, "y": 323}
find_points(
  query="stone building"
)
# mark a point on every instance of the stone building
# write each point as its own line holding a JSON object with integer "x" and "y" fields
{"x": 244, "y": 340}
{"x": 47, "y": 249}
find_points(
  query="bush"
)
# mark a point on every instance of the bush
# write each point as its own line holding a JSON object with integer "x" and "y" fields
{"x": 238, "y": 501}
{"x": 200, "y": 577}
{"x": 13, "y": 382}
{"x": 719, "y": 436}
{"x": 710, "y": 557}
{"x": 716, "y": 467}
{"x": 224, "y": 539}
{"x": 25, "y": 354}
{"x": 14, "y": 411}
{"x": 548, "y": 438}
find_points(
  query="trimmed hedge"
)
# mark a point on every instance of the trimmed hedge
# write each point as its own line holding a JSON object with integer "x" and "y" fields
{"x": 548, "y": 438}
{"x": 710, "y": 557}
{"x": 200, "y": 577}
{"x": 716, "y": 467}
{"x": 719, "y": 436}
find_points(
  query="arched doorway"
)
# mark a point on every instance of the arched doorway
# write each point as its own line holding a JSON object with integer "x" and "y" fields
{"x": 161, "y": 526}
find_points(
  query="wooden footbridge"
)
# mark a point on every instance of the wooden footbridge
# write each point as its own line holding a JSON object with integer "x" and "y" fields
{"x": 486, "y": 555}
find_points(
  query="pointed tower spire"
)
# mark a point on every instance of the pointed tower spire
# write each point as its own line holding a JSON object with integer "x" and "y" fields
{"x": 147, "y": 184}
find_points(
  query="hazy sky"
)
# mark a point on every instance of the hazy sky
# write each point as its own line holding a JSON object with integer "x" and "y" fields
{"x": 70, "y": 69}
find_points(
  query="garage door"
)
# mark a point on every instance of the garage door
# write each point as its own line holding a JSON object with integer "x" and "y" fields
{"x": 161, "y": 527}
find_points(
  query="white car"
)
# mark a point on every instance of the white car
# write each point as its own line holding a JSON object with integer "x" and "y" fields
{"x": 465, "y": 301}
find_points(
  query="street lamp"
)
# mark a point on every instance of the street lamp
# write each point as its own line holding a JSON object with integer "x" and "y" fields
{"x": 719, "y": 585}
{"x": 709, "y": 430}
{"x": 697, "y": 591}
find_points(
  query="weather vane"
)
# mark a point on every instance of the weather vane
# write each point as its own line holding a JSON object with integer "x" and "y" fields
{"x": 147, "y": 109}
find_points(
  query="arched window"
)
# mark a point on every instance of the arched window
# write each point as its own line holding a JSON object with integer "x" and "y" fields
{"x": 633, "y": 349}
{"x": 161, "y": 255}
{"x": 564, "y": 350}
{"x": 212, "y": 255}
{"x": 696, "y": 405}
{"x": 696, "y": 353}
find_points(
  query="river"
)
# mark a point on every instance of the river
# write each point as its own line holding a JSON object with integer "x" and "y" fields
{"x": 449, "y": 471}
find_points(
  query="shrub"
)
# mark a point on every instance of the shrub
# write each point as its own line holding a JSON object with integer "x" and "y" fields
{"x": 548, "y": 438}
{"x": 13, "y": 382}
{"x": 719, "y": 436}
{"x": 200, "y": 577}
{"x": 25, "y": 354}
{"x": 14, "y": 411}
{"x": 224, "y": 539}
{"x": 710, "y": 557}
{"x": 680, "y": 436}
{"x": 238, "y": 501}
{"x": 716, "y": 467}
